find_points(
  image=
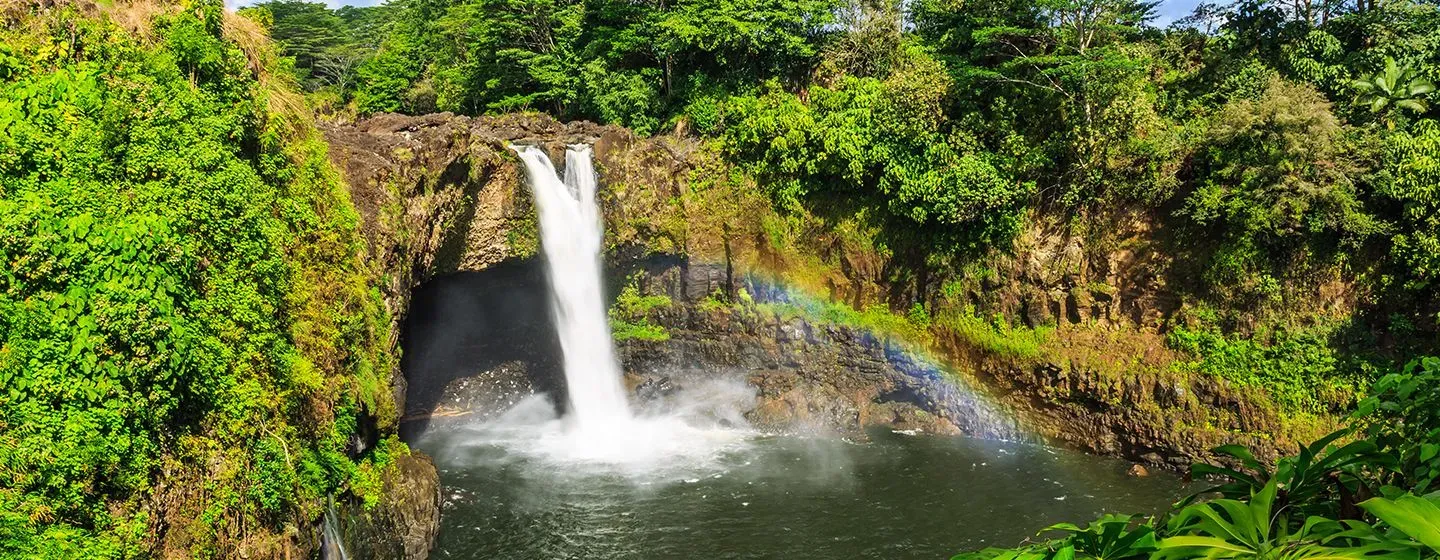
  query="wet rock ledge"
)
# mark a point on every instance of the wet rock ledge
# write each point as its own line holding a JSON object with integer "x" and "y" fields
{"x": 783, "y": 374}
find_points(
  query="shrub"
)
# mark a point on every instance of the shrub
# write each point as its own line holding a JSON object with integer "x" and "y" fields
{"x": 1300, "y": 370}
{"x": 182, "y": 289}
{"x": 629, "y": 316}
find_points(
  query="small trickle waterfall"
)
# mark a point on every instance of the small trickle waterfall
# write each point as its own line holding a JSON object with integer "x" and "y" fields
{"x": 571, "y": 235}
{"x": 332, "y": 546}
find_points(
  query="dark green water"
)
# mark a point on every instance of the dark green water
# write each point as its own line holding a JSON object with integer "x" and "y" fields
{"x": 896, "y": 496}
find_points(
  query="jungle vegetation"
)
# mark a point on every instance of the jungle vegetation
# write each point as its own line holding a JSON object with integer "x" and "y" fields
{"x": 189, "y": 333}
{"x": 1365, "y": 492}
{"x": 1277, "y": 145}
{"x": 189, "y": 336}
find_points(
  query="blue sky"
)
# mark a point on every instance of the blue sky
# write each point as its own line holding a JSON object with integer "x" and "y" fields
{"x": 1170, "y": 10}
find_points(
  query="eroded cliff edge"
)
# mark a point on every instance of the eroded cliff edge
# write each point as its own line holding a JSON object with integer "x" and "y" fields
{"x": 441, "y": 194}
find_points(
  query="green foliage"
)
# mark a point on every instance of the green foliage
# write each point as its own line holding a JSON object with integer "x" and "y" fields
{"x": 714, "y": 302}
{"x": 942, "y": 123}
{"x": 1254, "y": 528}
{"x": 1277, "y": 183}
{"x": 1300, "y": 370}
{"x": 996, "y": 335}
{"x": 1306, "y": 509}
{"x": 390, "y": 79}
{"x": 181, "y": 277}
{"x": 630, "y": 98}
{"x": 367, "y": 482}
{"x": 1395, "y": 87}
{"x": 1112, "y": 537}
{"x": 1411, "y": 181}
{"x": 614, "y": 61}
{"x": 1402, "y": 415}
{"x": 508, "y": 55}
{"x": 1418, "y": 518}
{"x": 878, "y": 320}
{"x": 879, "y": 142}
{"x": 630, "y": 316}
{"x": 385, "y": 79}
{"x": 1277, "y": 168}
{"x": 1320, "y": 480}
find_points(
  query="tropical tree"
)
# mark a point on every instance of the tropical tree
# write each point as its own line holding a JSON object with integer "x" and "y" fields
{"x": 307, "y": 31}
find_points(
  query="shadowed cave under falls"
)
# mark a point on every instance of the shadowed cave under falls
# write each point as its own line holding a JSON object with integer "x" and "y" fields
{"x": 491, "y": 356}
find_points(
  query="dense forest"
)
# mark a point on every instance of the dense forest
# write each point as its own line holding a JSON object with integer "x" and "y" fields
{"x": 1280, "y": 141}
{"x": 1279, "y": 146}
{"x": 184, "y": 302}
{"x": 1287, "y": 136}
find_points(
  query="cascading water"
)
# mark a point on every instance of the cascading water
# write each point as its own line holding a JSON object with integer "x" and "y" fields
{"x": 332, "y": 546}
{"x": 571, "y": 235}
{"x": 600, "y": 428}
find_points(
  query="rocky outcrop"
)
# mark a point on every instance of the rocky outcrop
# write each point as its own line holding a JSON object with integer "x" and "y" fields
{"x": 442, "y": 193}
{"x": 806, "y": 375}
{"x": 810, "y": 377}
{"x": 438, "y": 194}
{"x": 1162, "y": 418}
{"x": 403, "y": 525}
{"x": 1140, "y": 409}
{"x": 798, "y": 376}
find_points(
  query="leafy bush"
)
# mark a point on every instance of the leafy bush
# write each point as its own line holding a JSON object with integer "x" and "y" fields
{"x": 182, "y": 297}
{"x": 1412, "y": 170}
{"x": 1277, "y": 181}
{"x": 1321, "y": 480}
{"x": 881, "y": 142}
{"x": 1316, "y": 505}
{"x": 1300, "y": 370}
{"x": 629, "y": 316}
{"x": 1402, "y": 415}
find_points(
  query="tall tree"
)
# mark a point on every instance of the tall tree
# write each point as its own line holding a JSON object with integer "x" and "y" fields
{"x": 307, "y": 31}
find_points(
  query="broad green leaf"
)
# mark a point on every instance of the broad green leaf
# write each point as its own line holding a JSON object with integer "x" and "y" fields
{"x": 1417, "y": 517}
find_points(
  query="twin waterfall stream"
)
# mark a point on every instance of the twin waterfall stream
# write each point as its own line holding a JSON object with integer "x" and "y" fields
{"x": 572, "y": 235}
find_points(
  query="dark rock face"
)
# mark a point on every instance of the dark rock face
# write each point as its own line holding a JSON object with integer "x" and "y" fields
{"x": 469, "y": 360}
{"x": 809, "y": 377}
{"x": 476, "y": 342}
{"x": 801, "y": 377}
{"x": 806, "y": 376}
{"x": 1163, "y": 419}
{"x": 404, "y": 524}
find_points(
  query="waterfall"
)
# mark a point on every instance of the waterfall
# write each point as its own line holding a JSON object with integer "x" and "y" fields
{"x": 332, "y": 546}
{"x": 572, "y": 235}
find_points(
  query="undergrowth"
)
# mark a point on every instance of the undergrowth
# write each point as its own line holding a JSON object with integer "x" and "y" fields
{"x": 995, "y": 335}
{"x": 629, "y": 318}
{"x": 189, "y": 335}
{"x": 1300, "y": 370}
